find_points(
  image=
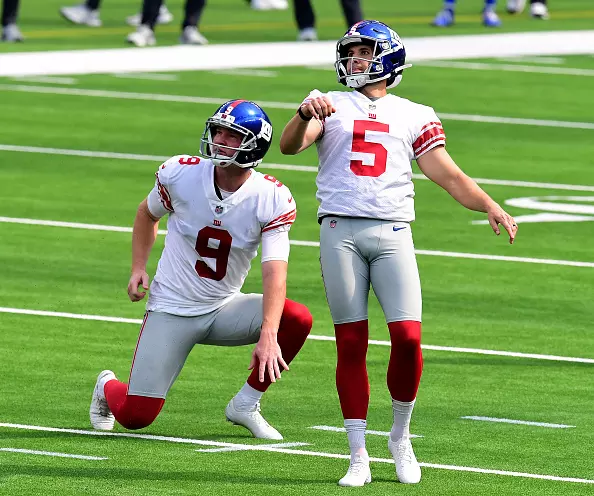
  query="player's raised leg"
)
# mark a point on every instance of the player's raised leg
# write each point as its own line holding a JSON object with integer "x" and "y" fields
{"x": 240, "y": 323}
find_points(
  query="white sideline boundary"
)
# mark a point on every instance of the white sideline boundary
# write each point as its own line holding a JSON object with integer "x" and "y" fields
{"x": 52, "y": 453}
{"x": 518, "y": 422}
{"x": 299, "y": 168}
{"x": 159, "y": 97}
{"x": 245, "y": 447}
{"x": 537, "y": 69}
{"x": 433, "y": 253}
{"x": 240, "y": 56}
{"x": 514, "y": 354}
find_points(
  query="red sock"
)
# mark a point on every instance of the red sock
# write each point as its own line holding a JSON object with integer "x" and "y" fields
{"x": 352, "y": 383}
{"x": 132, "y": 412}
{"x": 406, "y": 360}
{"x": 293, "y": 330}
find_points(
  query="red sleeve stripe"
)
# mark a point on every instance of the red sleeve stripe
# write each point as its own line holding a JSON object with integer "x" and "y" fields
{"x": 432, "y": 143}
{"x": 164, "y": 195}
{"x": 287, "y": 218}
{"x": 270, "y": 228}
{"x": 428, "y": 135}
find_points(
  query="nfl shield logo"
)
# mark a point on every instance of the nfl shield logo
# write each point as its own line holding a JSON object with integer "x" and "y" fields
{"x": 332, "y": 224}
{"x": 218, "y": 209}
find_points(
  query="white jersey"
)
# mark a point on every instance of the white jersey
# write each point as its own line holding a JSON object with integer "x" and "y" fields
{"x": 366, "y": 151}
{"x": 210, "y": 242}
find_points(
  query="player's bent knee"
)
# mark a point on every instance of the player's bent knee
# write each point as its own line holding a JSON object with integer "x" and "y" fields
{"x": 299, "y": 316}
{"x": 139, "y": 412}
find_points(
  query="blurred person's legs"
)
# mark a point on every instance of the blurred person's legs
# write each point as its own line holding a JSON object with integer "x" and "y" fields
{"x": 86, "y": 13}
{"x": 539, "y": 10}
{"x": 144, "y": 34}
{"x": 445, "y": 17}
{"x": 306, "y": 20}
{"x": 352, "y": 11}
{"x": 164, "y": 17}
{"x": 490, "y": 17}
{"x": 190, "y": 34}
{"x": 10, "y": 31}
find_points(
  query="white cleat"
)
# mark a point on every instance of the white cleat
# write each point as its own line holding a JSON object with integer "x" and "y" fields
{"x": 515, "y": 6}
{"x": 539, "y": 10}
{"x": 253, "y": 421}
{"x": 81, "y": 14}
{"x": 191, "y": 36}
{"x": 358, "y": 473}
{"x": 307, "y": 34}
{"x": 12, "y": 34}
{"x": 164, "y": 17}
{"x": 143, "y": 36}
{"x": 408, "y": 470}
{"x": 269, "y": 4}
{"x": 101, "y": 417}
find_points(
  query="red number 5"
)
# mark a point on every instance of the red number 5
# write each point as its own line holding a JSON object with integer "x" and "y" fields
{"x": 359, "y": 144}
{"x": 220, "y": 254}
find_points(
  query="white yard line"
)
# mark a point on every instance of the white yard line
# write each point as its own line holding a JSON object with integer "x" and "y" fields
{"x": 296, "y": 452}
{"x": 478, "y": 351}
{"x": 520, "y": 422}
{"x": 46, "y": 79}
{"x": 244, "y": 448}
{"x": 480, "y": 66}
{"x": 247, "y": 72}
{"x": 149, "y": 76}
{"x": 330, "y": 428}
{"x": 126, "y": 95}
{"x": 51, "y": 453}
{"x": 299, "y": 168}
{"x": 535, "y": 60}
{"x": 279, "y": 54}
{"x": 433, "y": 253}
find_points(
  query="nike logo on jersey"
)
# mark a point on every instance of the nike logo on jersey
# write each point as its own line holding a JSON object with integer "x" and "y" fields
{"x": 398, "y": 228}
{"x": 290, "y": 199}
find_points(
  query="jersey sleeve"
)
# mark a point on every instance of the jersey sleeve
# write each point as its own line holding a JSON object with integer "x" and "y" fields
{"x": 160, "y": 200}
{"x": 282, "y": 212}
{"x": 275, "y": 246}
{"x": 427, "y": 132}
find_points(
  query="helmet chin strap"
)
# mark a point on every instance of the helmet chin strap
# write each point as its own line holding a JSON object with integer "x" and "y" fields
{"x": 357, "y": 81}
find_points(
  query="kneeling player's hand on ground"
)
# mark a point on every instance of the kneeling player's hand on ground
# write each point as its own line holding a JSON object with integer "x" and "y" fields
{"x": 268, "y": 355}
{"x": 499, "y": 216}
{"x": 138, "y": 278}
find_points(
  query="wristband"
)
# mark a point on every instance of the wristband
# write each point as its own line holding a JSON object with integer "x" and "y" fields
{"x": 303, "y": 116}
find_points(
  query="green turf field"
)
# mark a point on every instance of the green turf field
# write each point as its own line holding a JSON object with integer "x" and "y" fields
{"x": 49, "y": 364}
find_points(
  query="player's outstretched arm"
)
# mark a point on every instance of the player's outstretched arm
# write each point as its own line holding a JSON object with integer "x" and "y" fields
{"x": 438, "y": 166}
{"x": 144, "y": 234}
{"x": 267, "y": 353}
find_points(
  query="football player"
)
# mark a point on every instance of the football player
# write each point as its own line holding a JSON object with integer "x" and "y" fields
{"x": 219, "y": 211}
{"x": 366, "y": 140}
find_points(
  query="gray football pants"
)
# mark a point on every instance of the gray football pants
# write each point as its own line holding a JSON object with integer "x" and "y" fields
{"x": 166, "y": 340}
{"x": 357, "y": 252}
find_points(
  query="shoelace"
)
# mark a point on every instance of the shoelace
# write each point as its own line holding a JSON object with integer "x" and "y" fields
{"x": 357, "y": 467}
{"x": 405, "y": 452}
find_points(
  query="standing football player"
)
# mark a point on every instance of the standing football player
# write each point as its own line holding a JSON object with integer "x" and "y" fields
{"x": 220, "y": 210}
{"x": 366, "y": 141}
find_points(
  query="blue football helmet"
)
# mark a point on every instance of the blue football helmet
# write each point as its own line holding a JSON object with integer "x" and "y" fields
{"x": 388, "y": 60}
{"x": 245, "y": 118}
